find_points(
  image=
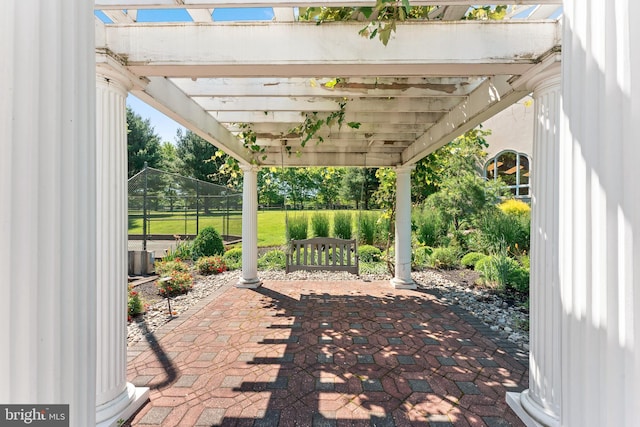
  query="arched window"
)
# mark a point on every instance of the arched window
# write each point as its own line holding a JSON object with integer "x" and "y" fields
{"x": 513, "y": 168}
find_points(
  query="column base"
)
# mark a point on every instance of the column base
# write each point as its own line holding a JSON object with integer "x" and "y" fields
{"x": 122, "y": 407}
{"x": 249, "y": 283}
{"x": 532, "y": 414}
{"x": 398, "y": 283}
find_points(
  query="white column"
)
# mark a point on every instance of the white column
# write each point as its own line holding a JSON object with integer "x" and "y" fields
{"x": 249, "y": 277}
{"x": 115, "y": 398}
{"x": 47, "y": 205}
{"x": 600, "y": 214}
{"x": 402, "y": 279}
{"x": 540, "y": 404}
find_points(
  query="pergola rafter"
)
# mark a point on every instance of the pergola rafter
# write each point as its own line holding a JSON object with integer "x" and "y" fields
{"x": 435, "y": 81}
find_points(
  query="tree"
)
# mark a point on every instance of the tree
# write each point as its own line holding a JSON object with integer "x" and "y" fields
{"x": 463, "y": 155}
{"x": 197, "y": 157}
{"x": 169, "y": 158}
{"x": 359, "y": 185}
{"x": 143, "y": 145}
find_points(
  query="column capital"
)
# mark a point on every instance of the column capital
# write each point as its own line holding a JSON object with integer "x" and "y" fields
{"x": 548, "y": 78}
{"x": 246, "y": 167}
{"x": 110, "y": 70}
{"x": 404, "y": 168}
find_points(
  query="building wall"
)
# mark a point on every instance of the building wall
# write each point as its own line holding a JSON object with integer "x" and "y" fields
{"x": 512, "y": 129}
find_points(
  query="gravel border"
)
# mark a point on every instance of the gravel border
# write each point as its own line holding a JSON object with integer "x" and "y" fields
{"x": 507, "y": 321}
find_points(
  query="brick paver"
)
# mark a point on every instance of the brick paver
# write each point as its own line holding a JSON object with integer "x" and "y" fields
{"x": 306, "y": 353}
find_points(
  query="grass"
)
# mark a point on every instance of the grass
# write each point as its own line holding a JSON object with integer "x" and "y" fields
{"x": 271, "y": 224}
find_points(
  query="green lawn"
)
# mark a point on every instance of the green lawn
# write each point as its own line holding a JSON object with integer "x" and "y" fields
{"x": 271, "y": 224}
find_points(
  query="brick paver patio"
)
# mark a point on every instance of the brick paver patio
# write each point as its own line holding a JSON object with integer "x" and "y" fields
{"x": 308, "y": 353}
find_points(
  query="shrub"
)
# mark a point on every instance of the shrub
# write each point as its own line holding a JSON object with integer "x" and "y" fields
{"x": 273, "y": 260}
{"x": 342, "y": 225}
{"x": 367, "y": 228}
{"x": 233, "y": 258}
{"x": 368, "y": 253}
{"x": 210, "y": 265}
{"x": 297, "y": 227}
{"x": 470, "y": 259}
{"x": 207, "y": 243}
{"x": 429, "y": 226}
{"x": 515, "y": 207}
{"x": 178, "y": 282}
{"x": 421, "y": 256}
{"x": 320, "y": 224}
{"x": 165, "y": 268}
{"x": 444, "y": 258}
{"x": 134, "y": 303}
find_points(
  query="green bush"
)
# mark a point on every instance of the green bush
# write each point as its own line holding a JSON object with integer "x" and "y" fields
{"x": 179, "y": 282}
{"x": 165, "y": 268}
{"x": 233, "y": 258}
{"x": 421, "y": 256}
{"x": 429, "y": 226}
{"x": 320, "y": 224}
{"x": 297, "y": 227}
{"x": 444, "y": 258}
{"x": 367, "y": 228}
{"x": 368, "y": 253}
{"x": 210, "y": 265}
{"x": 207, "y": 243}
{"x": 342, "y": 225}
{"x": 273, "y": 260}
{"x": 470, "y": 259}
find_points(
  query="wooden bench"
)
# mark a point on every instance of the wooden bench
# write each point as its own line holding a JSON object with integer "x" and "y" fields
{"x": 323, "y": 253}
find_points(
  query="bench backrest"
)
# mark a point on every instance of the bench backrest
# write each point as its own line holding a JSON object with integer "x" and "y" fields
{"x": 323, "y": 253}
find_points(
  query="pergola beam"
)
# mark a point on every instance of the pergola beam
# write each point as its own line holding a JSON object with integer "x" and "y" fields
{"x": 494, "y": 95}
{"x": 307, "y": 50}
{"x": 417, "y": 87}
{"x": 162, "y": 95}
{"x": 210, "y": 4}
{"x": 297, "y": 117}
{"x": 312, "y": 104}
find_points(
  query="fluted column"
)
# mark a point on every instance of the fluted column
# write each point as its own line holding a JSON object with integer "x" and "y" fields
{"x": 600, "y": 214}
{"x": 541, "y": 402}
{"x": 48, "y": 205}
{"x": 402, "y": 278}
{"x": 249, "y": 277}
{"x": 115, "y": 398}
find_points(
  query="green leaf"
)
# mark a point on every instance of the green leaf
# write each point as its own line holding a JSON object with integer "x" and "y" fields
{"x": 406, "y": 5}
{"x": 366, "y": 11}
{"x": 354, "y": 125}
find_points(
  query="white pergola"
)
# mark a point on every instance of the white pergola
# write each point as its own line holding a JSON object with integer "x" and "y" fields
{"x": 64, "y": 79}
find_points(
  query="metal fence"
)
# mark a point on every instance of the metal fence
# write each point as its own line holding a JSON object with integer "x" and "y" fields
{"x": 165, "y": 206}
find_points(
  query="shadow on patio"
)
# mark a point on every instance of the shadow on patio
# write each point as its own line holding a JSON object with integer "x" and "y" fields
{"x": 307, "y": 353}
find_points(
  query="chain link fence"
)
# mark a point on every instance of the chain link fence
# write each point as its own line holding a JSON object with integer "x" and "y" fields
{"x": 165, "y": 207}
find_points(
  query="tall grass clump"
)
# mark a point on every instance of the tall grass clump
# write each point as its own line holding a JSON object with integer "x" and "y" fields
{"x": 367, "y": 228}
{"x": 498, "y": 230}
{"x": 320, "y": 224}
{"x": 429, "y": 226}
{"x": 297, "y": 227}
{"x": 504, "y": 273}
{"x": 342, "y": 225}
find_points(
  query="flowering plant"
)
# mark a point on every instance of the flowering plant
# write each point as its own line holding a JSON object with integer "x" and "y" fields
{"x": 134, "y": 303}
{"x": 177, "y": 282}
{"x": 211, "y": 265}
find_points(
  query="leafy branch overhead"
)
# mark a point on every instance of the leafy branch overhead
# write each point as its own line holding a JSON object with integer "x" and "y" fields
{"x": 381, "y": 19}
